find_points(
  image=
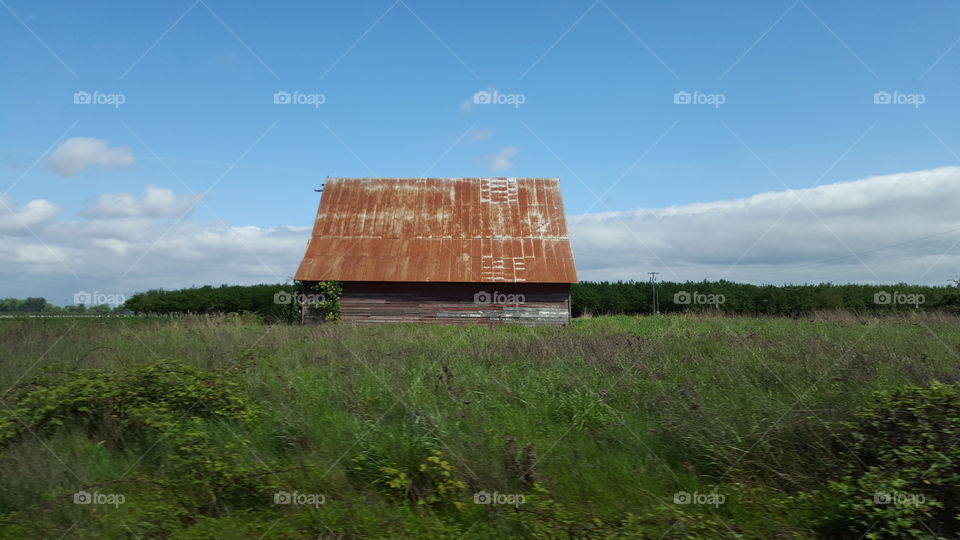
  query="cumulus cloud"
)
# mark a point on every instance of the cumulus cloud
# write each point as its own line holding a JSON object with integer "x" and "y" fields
{"x": 78, "y": 153}
{"x": 502, "y": 160}
{"x": 34, "y": 255}
{"x": 156, "y": 202}
{"x": 21, "y": 220}
{"x": 899, "y": 227}
{"x": 126, "y": 256}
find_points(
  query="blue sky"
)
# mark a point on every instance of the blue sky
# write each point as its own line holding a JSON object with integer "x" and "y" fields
{"x": 597, "y": 80}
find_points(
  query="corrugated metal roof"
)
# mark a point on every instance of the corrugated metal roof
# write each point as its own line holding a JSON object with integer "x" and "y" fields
{"x": 440, "y": 229}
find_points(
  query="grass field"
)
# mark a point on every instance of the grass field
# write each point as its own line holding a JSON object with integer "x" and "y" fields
{"x": 597, "y": 430}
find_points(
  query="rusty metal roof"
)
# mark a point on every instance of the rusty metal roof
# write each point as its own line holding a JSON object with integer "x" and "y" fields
{"x": 440, "y": 230}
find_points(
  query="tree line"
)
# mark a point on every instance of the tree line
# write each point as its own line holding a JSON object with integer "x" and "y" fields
{"x": 273, "y": 302}
{"x": 635, "y": 297}
{"x": 39, "y": 305}
{"x": 281, "y": 301}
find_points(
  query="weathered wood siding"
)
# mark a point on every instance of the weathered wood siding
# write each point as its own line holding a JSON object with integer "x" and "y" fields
{"x": 453, "y": 303}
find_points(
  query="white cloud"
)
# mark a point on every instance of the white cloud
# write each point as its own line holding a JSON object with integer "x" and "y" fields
{"x": 77, "y": 153}
{"x": 156, "y": 202}
{"x": 804, "y": 235}
{"x": 34, "y": 214}
{"x": 502, "y": 160}
{"x": 38, "y": 254}
{"x": 903, "y": 227}
{"x": 125, "y": 256}
{"x": 113, "y": 245}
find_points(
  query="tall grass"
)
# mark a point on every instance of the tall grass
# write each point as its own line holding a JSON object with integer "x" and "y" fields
{"x": 619, "y": 414}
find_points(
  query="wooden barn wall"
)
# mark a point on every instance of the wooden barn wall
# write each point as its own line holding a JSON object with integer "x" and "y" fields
{"x": 453, "y": 303}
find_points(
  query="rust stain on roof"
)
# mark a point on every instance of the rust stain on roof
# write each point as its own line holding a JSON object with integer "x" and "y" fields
{"x": 440, "y": 230}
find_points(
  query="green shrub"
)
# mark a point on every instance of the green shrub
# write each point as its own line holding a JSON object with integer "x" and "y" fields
{"x": 330, "y": 307}
{"x": 153, "y": 396}
{"x": 434, "y": 482}
{"x": 169, "y": 406}
{"x": 904, "y": 481}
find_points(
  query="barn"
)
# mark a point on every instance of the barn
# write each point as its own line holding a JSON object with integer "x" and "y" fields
{"x": 443, "y": 250}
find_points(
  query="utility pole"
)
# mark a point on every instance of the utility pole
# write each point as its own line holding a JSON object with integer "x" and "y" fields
{"x": 653, "y": 283}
